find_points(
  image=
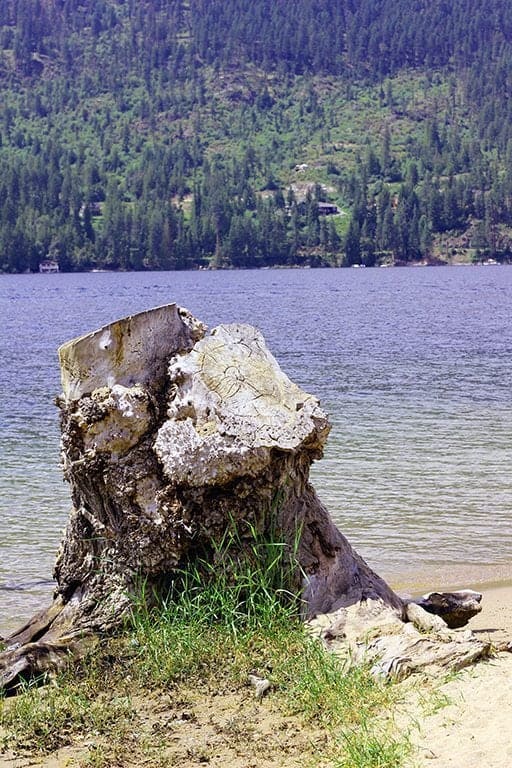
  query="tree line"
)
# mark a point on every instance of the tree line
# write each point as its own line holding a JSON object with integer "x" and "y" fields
{"x": 160, "y": 135}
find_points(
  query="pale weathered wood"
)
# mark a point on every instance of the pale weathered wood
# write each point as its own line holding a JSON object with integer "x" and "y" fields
{"x": 369, "y": 631}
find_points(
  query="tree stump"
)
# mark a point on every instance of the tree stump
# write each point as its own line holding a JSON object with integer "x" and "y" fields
{"x": 171, "y": 434}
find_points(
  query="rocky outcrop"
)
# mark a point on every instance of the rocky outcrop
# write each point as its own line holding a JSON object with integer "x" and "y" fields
{"x": 171, "y": 436}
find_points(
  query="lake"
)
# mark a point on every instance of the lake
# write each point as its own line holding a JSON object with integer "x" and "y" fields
{"x": 413, "y": 365}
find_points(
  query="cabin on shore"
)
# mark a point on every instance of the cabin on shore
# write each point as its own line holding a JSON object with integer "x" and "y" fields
{"x": 48, "y": 265}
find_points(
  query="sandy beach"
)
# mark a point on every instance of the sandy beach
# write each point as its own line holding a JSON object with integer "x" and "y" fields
{"x": 463, "y": 722}
{"x": 466, "y": 722}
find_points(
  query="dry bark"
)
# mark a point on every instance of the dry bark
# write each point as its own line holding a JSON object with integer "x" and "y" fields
{"x": 169, "y": 436}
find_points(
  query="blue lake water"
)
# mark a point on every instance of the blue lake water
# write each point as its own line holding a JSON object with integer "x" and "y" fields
{"x": 413, "y": 366}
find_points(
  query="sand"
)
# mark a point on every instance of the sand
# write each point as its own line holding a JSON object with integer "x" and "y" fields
{"x": 467, "y": 721}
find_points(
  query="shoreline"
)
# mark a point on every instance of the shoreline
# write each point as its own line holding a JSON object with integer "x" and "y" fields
{"x": 450, "y": 579}
{"x": 433, "y": 262}
{"x": 496, "y": 592}
{"x": 459, "y": 720}
{"x": 466, "y": 724}
{"x": 495, "y": 619}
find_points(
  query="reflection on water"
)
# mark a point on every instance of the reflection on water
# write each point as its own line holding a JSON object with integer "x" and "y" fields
{"x": 413, "y": 366}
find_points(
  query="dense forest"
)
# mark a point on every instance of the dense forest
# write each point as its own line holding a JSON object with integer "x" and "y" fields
{"x": 171, "y": 134}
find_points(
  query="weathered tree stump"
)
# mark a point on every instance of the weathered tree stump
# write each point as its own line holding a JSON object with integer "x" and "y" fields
{"x": 169, "y": 435}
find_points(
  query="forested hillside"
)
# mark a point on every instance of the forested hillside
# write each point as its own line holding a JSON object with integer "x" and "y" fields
{"x": 162, "y": 134}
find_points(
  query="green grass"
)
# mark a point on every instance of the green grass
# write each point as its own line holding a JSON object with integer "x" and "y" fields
{"x": 224, "y": 617}
{"x": 44, "y": 719}
{"x": 242, "y": 620}
{"x": 363, "y": 748}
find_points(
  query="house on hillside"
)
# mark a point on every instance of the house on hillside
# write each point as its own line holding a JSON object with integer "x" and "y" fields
{"x": 327, "y": 209}
{"x": 95, "y": 209}
{"x": 324, "y": 209}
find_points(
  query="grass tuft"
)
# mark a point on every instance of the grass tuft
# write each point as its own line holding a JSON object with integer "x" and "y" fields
{"x": 216, "y": 607}
{"x": 45, "y": 719}
{"x": 366, "y": 747}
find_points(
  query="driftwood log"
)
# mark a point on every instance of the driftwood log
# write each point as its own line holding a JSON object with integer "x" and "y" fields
{"x": 171, "y": 434}
{"x": 455, "y": 608}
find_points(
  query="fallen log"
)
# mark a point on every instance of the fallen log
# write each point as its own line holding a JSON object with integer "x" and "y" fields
{"x": 171, "y": 435}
